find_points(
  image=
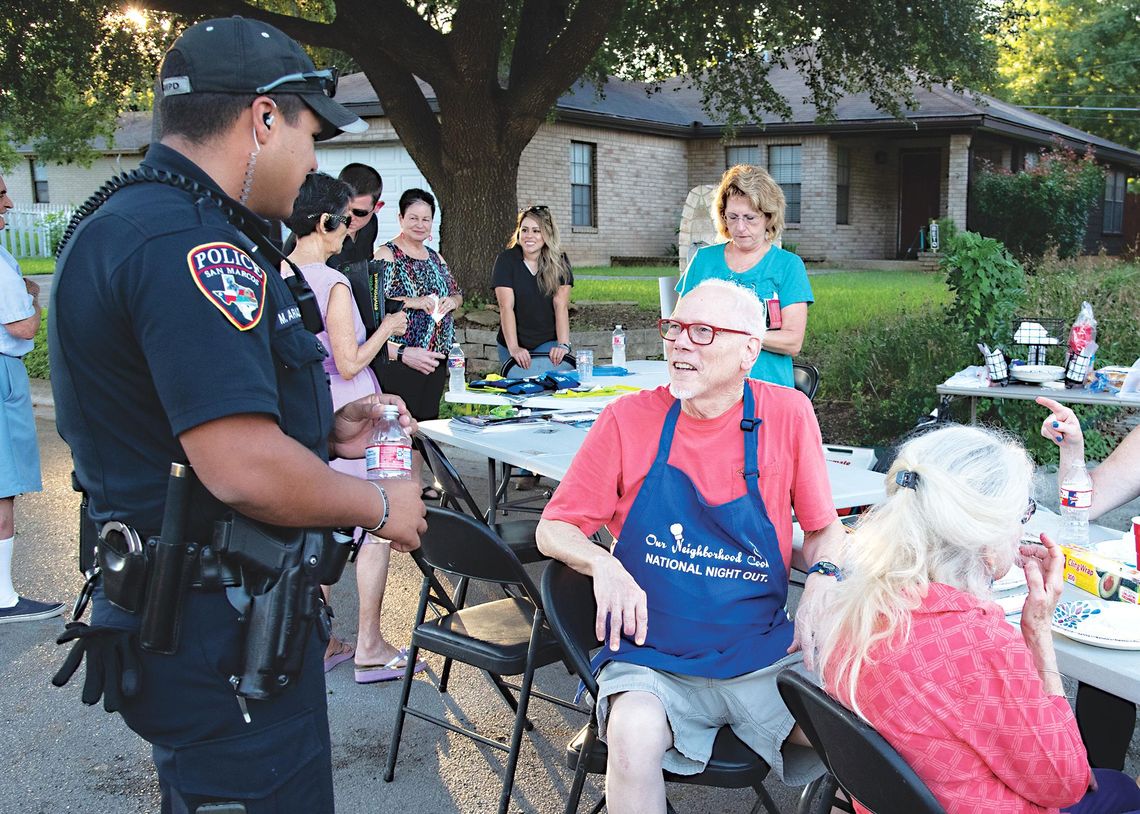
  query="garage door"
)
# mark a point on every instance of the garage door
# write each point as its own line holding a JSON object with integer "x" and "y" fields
{"x": 395, "y": 167}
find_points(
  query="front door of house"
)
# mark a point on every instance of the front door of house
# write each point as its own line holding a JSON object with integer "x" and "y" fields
{"x": 919, "y": 193}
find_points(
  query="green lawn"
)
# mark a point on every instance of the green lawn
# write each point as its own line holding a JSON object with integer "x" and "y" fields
{"x": 36, "y": 265}
{"x": 627, "y": 271}
{"x": 842, "y": 301}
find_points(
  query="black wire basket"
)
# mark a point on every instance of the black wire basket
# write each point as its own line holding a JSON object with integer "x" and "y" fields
{"x": 1038, "y": 334}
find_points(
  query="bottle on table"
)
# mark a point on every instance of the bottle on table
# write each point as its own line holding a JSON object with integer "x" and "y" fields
{"x": 389, "y": 453}
{"x": 619, "y": 346}
{"x": 1076, "y": 502}
{"x": 456, "y": 368}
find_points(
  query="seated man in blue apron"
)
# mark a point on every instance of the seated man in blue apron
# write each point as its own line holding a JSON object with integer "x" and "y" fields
{"x": 697, "y": 482}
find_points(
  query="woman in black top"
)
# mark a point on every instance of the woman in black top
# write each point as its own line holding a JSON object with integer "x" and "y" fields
{"x": 532, "y": 281}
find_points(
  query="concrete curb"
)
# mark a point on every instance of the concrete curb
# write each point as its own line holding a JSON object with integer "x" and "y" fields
{"x": 43, "y": 402}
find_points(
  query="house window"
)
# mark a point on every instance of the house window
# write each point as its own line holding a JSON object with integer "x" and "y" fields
{"x": 842, "y": 184}
{"x": 784, "y": 166}
{"x": 746, "y": 154}
{"x": 39, "y": 182}
{"x": 583, "y": 186}
{"x": 1114, "y": 188}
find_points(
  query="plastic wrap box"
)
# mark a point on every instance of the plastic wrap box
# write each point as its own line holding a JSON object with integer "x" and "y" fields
{"x": 1101, "y": 576}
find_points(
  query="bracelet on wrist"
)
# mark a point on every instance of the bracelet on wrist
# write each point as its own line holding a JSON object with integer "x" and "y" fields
{"x": 384, "y": 517}
{"x": 565, "y": 345}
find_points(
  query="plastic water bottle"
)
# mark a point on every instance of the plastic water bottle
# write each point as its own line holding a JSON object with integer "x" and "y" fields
{"x": 456, "y": 368}
{"x": 389, "y": 453}
{"x": 619, "y": 347}
{"x": 1076, "y": 501}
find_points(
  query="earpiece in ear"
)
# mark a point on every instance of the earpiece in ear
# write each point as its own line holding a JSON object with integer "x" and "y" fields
{"x": 268, "y": 119}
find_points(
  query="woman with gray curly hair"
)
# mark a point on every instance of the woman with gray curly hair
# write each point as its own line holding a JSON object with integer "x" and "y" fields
{"x": 749, "y": 213}
{"x": 916, "y": 646}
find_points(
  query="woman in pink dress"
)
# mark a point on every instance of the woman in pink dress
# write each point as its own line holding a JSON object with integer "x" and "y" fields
{"x": 320, "y": 223}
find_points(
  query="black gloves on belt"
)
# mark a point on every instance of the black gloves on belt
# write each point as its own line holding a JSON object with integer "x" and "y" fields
{"x": 113, "y": 670}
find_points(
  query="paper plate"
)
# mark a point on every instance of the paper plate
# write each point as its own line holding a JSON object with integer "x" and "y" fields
{"x": 1036, "y": 374}
{"x": 1123, "y": 549}
{"x": 1115, "y": 625}
{"x": 1014, "y": 579}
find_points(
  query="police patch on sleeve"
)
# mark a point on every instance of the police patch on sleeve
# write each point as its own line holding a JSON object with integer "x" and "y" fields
{"x": 230, "y": 280}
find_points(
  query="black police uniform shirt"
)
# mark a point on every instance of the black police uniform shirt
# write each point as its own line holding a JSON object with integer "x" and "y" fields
{"x": 534, "y": 311}
{"x": 161, "y": 323}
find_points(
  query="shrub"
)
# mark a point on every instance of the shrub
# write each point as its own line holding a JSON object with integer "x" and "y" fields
{"x": 988, "y": 286}
{"x": 36, "y": 360}
{"x": 1043, "y": 208}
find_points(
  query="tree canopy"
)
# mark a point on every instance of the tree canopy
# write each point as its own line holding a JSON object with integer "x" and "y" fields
{"x": 1075, "y": 55}
{"x": 497, "y": 67}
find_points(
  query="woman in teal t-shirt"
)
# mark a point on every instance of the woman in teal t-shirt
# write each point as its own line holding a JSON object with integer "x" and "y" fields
{"x": 749, "y": 214}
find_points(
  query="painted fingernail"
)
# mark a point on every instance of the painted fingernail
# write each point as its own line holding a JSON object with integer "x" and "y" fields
{"x": 1056, "y": 424}
{"x": 1060, "y": 438}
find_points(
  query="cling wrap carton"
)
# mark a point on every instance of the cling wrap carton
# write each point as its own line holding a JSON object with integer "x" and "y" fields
{"x": 1101, "y": 576}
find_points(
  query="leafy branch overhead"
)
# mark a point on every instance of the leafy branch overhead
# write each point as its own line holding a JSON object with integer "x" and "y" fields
{"x": 497, "y": 68}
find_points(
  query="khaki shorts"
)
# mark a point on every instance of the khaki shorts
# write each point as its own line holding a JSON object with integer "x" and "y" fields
{"x": 698, "y": 707}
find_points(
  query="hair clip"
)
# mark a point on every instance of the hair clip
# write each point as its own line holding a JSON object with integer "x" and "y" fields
{"x": 907, "y": 479}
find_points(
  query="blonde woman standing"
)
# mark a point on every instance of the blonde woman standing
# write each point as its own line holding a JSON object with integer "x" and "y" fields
{"x": 532, "y": 281}
{"x": 749, "y": 215}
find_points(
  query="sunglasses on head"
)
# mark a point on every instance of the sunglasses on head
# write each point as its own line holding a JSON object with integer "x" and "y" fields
{"x": 324, "y": 80}
{"x": 538, "y": 210}
{"x": 332, "y": 221}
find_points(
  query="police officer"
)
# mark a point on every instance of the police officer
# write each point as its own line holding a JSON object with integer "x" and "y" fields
{"x": 174, "y": 340}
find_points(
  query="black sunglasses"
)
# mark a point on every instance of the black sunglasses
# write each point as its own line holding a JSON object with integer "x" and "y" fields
{"x": 324, "y": 80}
{"x": 1030, "y": 510}
{"x": 361, "y": 213}
{"x": 535, "y": 209}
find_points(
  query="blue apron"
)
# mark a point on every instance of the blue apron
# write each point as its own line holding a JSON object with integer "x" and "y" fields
{"x": 713, "y": 575}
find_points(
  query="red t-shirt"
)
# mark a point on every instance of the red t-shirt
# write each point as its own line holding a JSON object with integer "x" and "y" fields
{"x": 963, "y": 704}
{"x": 608, "y": 470}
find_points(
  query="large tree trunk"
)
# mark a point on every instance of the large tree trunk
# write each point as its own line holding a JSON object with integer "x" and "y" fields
{"x": 479, "y": 201}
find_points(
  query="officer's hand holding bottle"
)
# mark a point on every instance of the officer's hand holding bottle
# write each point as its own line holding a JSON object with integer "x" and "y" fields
{"x": 351, "y": 433}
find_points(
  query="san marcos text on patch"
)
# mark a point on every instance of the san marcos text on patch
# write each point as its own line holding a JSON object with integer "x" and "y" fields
{"x": 229, "y": 279}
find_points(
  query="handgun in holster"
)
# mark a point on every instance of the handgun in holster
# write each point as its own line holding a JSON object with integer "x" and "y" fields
{"x": 282, "y": 571}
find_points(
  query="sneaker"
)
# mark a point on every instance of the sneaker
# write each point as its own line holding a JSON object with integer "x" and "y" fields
{"x": 29, "y": 610}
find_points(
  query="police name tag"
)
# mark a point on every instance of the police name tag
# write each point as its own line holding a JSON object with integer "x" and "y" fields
{"x": 230, "y": 280}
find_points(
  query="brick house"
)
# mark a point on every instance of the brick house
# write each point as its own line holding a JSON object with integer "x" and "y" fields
{"x": 616, "y": 169}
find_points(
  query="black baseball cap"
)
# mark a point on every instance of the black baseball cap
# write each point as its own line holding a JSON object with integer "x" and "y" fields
{"x": 236, "y": 55}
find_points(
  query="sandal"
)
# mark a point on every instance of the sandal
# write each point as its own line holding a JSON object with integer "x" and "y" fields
{"x": 375, "y": 673}
{"x": 342, "y": 653}
{"x": 430, "y": 493}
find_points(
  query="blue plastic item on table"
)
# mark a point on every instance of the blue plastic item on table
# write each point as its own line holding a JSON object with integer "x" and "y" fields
{"x": 610, "y": 370}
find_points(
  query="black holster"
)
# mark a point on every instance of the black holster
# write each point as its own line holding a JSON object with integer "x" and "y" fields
{"x": 282, "y": 571}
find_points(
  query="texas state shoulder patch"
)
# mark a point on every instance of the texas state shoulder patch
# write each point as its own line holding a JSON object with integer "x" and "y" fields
{"x": 230, "y": 280}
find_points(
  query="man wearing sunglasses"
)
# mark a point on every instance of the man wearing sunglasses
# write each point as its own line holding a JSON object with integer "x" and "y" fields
{"x": 175, "y": 341}
{"x": 363, "y": 228}
{"x": 697, "y": 482}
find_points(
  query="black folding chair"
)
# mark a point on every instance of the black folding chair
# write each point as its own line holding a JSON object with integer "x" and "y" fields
{"x": 805, "y": 378}
{"x": 507, "y": 637}
{"x": 859, "y": 760}
{"x": 517, "y": 534}
{"x": 568, "y": 599}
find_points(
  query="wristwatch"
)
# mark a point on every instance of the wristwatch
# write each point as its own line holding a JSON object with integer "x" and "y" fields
{"x": 564, "y": 345}
{"x": 828, "y": 569}
{"x": 400, "y": 353}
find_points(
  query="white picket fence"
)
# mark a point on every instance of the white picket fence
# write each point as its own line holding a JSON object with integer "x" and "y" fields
{"x": 26, "y": 234}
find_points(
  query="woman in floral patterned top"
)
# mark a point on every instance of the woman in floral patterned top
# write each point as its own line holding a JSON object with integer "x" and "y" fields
{"x": 416, "y": 275}
{"x": 916, "y": 645}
